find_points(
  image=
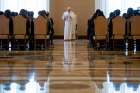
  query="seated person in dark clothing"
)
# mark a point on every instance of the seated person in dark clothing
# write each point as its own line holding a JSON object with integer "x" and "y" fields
{"x": 125, "y": 15}
{"x": 24, "y": 14}
{"x": 11, "y": 36}
{"x": 130, "y": 13}
{"x": 110, "y": 32}
{"x": 50, "y": 28}
{"x": 8, "y": 15}
{"x": 31, "y": 29}
{"x": 90, "y": 28}
{"x": 128, "y": 30}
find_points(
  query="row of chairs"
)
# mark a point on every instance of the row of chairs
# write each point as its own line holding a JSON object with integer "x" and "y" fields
{"x": 119, "y": 32}
{"x": 19, "y": 32}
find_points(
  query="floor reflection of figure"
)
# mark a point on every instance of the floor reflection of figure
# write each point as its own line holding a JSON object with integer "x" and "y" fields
{"x": 46, "y": 86}
{"x": 1, "y": 88}
{"x": 69, "y": 54}
{"x": 32, "y": 86}
{"x": 14, "y": 88}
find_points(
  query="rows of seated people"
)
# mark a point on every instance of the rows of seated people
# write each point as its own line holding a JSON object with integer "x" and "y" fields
{"x": 22, "y": 31}
{"x": 115, "y": 32}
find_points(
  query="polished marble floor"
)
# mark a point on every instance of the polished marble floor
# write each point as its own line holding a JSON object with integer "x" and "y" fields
{"x": 69, "y": 67}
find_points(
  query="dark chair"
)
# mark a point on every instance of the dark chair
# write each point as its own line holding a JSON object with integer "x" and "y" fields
{"x": 4, "y": 32}
{"x": 118, "y": 31}
{"x": 135, "y": 31}
{"x": 40, "y": 31}
{"x": 100, "y": 31}
{"x": 19, "y": 26}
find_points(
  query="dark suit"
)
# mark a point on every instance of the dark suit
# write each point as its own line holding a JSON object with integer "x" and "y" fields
{"x": 110, "y": 34}
{"x": 50, "y": 30}
{"x": 90, "y": 32}
{"x": 11, "y": 33}
{"x": 31, "y": 33}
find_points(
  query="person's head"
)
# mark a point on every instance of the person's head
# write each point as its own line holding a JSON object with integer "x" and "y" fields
{"x": 125, "y": 15}
{"x": 1, "y": 13}
{"x": 99, "y": 13}
{"x": 130, "y": 11}
{"x": 12, "y": 13}
{"x": 39, "y": 13}
{"x": 69, "y": 9}
{"x": 23, "y": 13}
{"x": 42, "y": 13}
{"x": 118, "y": 12}
{"x": 112, "y": 14}
{"x": 7, "y": 13}
{"x": 135, "y": 12}
{"x": 30, "y": 13}
{"x": 47, "y": 14}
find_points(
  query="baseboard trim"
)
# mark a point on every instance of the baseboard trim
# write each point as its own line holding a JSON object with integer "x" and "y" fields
{"x": 62, "y": 37}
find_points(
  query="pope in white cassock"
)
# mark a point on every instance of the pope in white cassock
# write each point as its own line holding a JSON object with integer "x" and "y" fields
{"x": 70, "y": 20}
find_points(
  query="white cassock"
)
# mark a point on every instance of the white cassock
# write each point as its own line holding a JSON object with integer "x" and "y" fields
{"x": 70, "y": 25}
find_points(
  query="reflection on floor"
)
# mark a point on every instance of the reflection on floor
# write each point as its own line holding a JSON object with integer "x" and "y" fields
{"x": 109, "y": 87}
{"x": 69, "y": 67}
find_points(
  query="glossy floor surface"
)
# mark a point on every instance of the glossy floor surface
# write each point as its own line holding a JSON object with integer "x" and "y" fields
{"x": 69, "y": 67}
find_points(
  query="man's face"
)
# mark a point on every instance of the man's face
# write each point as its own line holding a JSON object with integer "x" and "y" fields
{"x": 69, "y": 9}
